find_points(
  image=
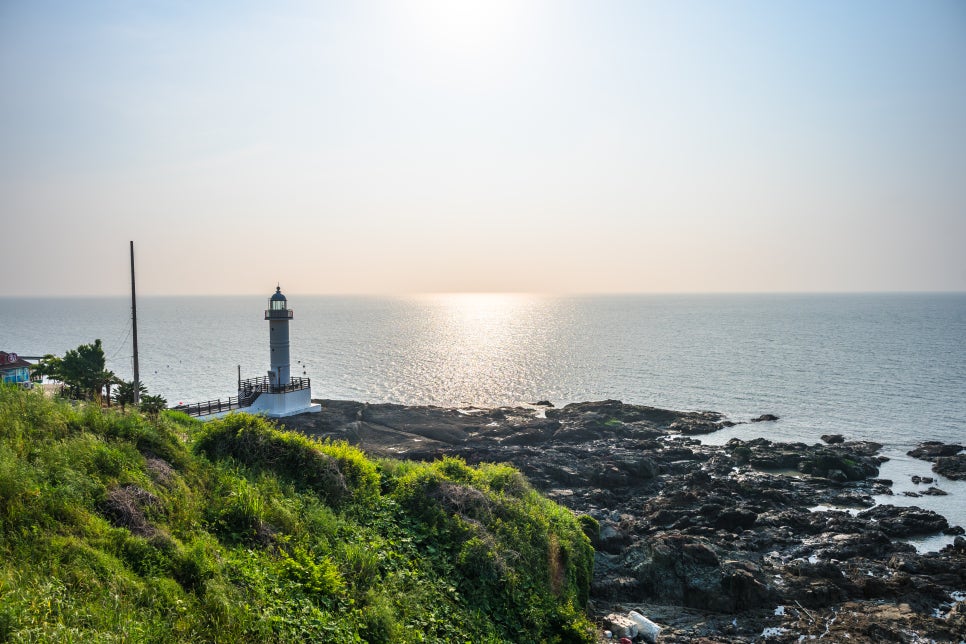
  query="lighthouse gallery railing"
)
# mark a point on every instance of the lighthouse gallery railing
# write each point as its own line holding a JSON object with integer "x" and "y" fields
{"x": 248, "y": 391}
{"x": 263, "y": 385}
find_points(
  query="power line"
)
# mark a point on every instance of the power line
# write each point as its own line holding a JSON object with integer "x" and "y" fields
{"x": 120, "y": 345}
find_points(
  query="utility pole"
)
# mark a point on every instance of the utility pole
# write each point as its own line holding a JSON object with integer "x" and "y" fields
{"x": 134, "y": 332}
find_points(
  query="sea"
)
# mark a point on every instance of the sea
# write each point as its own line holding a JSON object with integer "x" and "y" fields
{"x": 884, "y": 367}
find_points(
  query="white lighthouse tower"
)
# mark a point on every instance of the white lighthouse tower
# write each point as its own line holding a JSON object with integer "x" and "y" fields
{"x": 278, "y": 314}
{"x": 278, "y": 394}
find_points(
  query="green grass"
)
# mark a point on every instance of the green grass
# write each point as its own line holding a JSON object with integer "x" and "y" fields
{"x": 121, "y": 527}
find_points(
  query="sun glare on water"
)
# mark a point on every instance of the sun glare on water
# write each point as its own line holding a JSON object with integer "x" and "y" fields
{"x": 481, "y": 342}
{"x": 482, "y": 309}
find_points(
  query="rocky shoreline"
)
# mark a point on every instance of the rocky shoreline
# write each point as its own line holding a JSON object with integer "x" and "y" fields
{"x": 747, "y": 541}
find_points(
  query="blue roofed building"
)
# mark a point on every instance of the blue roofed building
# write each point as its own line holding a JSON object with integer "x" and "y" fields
{"x": 14, "y": 369}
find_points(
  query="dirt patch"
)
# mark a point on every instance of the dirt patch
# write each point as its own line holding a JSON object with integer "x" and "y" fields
{"x": 125, "y": 507}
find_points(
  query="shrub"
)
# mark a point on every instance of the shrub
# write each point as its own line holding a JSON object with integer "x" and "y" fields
{"x": 253, "y": 442}
{"x": 510, "y": 550}
{"x": 378, "y": 621}
{"x": 590, "y": 527}
{"x": 111, "y": 529}
{"x": 317, "y": 576}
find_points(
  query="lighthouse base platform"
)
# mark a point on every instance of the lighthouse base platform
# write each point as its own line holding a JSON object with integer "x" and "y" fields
{"x": 284, "y": 404}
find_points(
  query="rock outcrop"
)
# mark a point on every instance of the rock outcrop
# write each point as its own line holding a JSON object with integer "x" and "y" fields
{"x": 953, "y": 467}
{"x": 945, "y": 457}
{"x": 718, "y": 542}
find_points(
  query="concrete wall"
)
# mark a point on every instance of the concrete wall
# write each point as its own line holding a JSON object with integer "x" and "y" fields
{"x": 287, "y": 404}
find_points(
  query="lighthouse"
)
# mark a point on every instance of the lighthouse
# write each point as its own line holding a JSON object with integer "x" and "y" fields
{"x": 275, "y": 395}
{"x": 278, "y": 394}
{"x": 278, "y": 314}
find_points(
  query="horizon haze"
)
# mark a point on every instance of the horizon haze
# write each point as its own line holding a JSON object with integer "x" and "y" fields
{"x": 426, "y": 146}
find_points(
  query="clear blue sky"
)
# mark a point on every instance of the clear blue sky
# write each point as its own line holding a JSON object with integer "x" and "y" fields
{"x": 558, "y": 146}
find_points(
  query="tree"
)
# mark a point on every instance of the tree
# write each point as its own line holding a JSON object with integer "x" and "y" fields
{"x": 82, "y": 370}
{"x": 125, "y": 393}
{"x": 153, "y": 404}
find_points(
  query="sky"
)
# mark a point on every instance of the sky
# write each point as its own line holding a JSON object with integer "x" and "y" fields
{"x": 410, "y": 146}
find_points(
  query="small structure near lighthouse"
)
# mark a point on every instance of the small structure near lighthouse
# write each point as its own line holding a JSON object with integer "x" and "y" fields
{"x": 275, "y": 394}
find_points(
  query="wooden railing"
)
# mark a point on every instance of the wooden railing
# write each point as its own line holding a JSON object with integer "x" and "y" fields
{"x": 212, "y": 406}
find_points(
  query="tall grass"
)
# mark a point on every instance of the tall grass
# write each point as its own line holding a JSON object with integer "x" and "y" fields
{"x": 119, "y": 527}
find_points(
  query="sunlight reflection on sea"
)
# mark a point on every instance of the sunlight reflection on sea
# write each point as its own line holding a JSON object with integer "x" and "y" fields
{"x": 889, "y": 368}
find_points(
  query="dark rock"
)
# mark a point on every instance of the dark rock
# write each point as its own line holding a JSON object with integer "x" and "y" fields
{"x": 543, "y": 403}
{"x": 815, "y": 570}
{"x": 532, "y": 433}
{"x": 931, "y": 450}
{"x": 735, "y": 519}
{"x": 832, "y": 439}
{"x": 764, "y": 418}
{"x": 686, "y": 569}
{"x": 836, "y": 475}
{"x": 935, "y": 491}
{"x": 680, "y": 453}
{"x": 709, "y": 538}
{"x": 612, "y": 538}
{"x": 864, "y": 448}
{"x": 952, "y": 467}
{"x": 637, "y": 465}
{"x": 852, "y": 499}
{"x": 576, "y": 434}
{"x": 608, "y": 411}
{"x": 837, "y": 465}
{"x": 610, "y": 476}
{"x": 777, "y": 459}
{"x": 905, "y": 522}
{"x": 694, "y": 426}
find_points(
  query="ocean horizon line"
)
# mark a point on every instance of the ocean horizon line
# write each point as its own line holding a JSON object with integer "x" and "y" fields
{"x": 575, "y": 294}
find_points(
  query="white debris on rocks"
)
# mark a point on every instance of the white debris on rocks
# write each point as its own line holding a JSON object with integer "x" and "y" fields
{"x": 645, "y": 627}
{"x": 632, "y": 625}
{"x": 773, "y": 631}
{"x": 621, "y": 626}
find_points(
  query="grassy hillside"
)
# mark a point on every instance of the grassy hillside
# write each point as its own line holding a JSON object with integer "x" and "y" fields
{"x": 118, "y": 527}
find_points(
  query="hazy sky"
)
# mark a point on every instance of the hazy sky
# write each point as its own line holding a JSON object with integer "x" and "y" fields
{"x": 558, "y": 146}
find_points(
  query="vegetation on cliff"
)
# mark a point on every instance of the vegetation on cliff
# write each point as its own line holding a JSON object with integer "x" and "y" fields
{"x": 121, "y": 527}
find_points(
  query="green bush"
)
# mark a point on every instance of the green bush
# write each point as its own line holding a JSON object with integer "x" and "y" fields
{"x": 508, "y": 550}
{"x": 590, "y": 526}
{"x": 115, "y": 526}
{"x": 255, "y": 443}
